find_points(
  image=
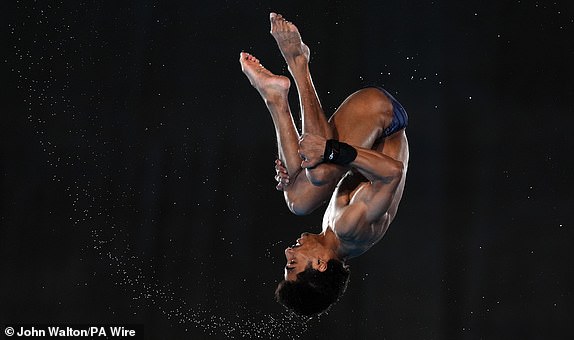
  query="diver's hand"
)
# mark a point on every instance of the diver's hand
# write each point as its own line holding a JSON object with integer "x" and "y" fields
{"x": 311, "y": 150}
{"x": 281, "y": 176}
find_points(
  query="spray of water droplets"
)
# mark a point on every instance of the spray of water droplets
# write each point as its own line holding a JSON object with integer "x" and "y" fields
{"x": 44, "y": 67}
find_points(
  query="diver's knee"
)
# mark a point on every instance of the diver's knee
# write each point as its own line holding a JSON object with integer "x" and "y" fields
{"x": 301, "y": 206}
{"x": 299, "y": 209}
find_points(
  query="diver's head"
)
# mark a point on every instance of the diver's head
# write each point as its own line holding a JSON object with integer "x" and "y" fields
{"x": 314, "y": 291}
{"x": 309, "y": 250}
{"x": 314, "y": 277}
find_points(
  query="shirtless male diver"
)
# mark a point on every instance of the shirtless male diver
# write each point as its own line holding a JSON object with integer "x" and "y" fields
{"x": 358, "y": 157}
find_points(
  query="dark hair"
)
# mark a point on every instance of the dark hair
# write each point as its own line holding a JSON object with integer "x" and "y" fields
{"x": 313, "y": 292}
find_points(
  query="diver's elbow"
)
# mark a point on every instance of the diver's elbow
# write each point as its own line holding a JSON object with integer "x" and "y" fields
{"x": 319, "y": 175}
{"x": 397, "y": 170}
{"x": 393, "y": 173}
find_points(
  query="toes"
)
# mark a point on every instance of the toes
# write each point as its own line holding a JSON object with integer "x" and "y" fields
{"x": 244, "y": 56}
{"x": 280, "y": 24}
{"x": 274, "y": 18}
{"x": 249, "y": 57}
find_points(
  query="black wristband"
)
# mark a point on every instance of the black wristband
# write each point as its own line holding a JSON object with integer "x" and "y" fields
{"x": 338, "y": 152}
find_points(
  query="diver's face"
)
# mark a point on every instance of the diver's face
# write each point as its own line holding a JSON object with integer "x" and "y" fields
{"x": 300, "y": 255}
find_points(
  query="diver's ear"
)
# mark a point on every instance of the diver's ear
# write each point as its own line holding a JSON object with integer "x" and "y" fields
{"x": 322, "y": 265}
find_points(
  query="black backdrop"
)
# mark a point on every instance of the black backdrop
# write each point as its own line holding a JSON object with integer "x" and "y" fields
{"x": 137, "y": 167}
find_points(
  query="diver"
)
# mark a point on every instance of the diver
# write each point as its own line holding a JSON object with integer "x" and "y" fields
{"x": 356, "y": 160}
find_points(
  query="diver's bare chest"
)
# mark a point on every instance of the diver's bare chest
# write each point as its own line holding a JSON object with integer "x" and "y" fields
{"x": 340, "y": 200}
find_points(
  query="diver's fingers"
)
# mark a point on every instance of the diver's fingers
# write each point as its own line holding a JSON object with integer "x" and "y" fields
{"x": 279, "y": 166}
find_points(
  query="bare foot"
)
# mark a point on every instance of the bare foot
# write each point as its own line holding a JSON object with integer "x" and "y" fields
{"x": 289, "y": 40}
{"x": 269, "y": 85}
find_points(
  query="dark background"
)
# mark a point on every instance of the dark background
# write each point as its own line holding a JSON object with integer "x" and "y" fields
{"x": 137, "y": 167}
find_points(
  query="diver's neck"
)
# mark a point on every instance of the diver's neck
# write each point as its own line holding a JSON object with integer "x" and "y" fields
{"x": 331, "y": 242}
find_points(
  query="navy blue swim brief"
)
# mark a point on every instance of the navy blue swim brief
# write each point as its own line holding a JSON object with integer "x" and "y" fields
{"x": 400, "y": 118}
